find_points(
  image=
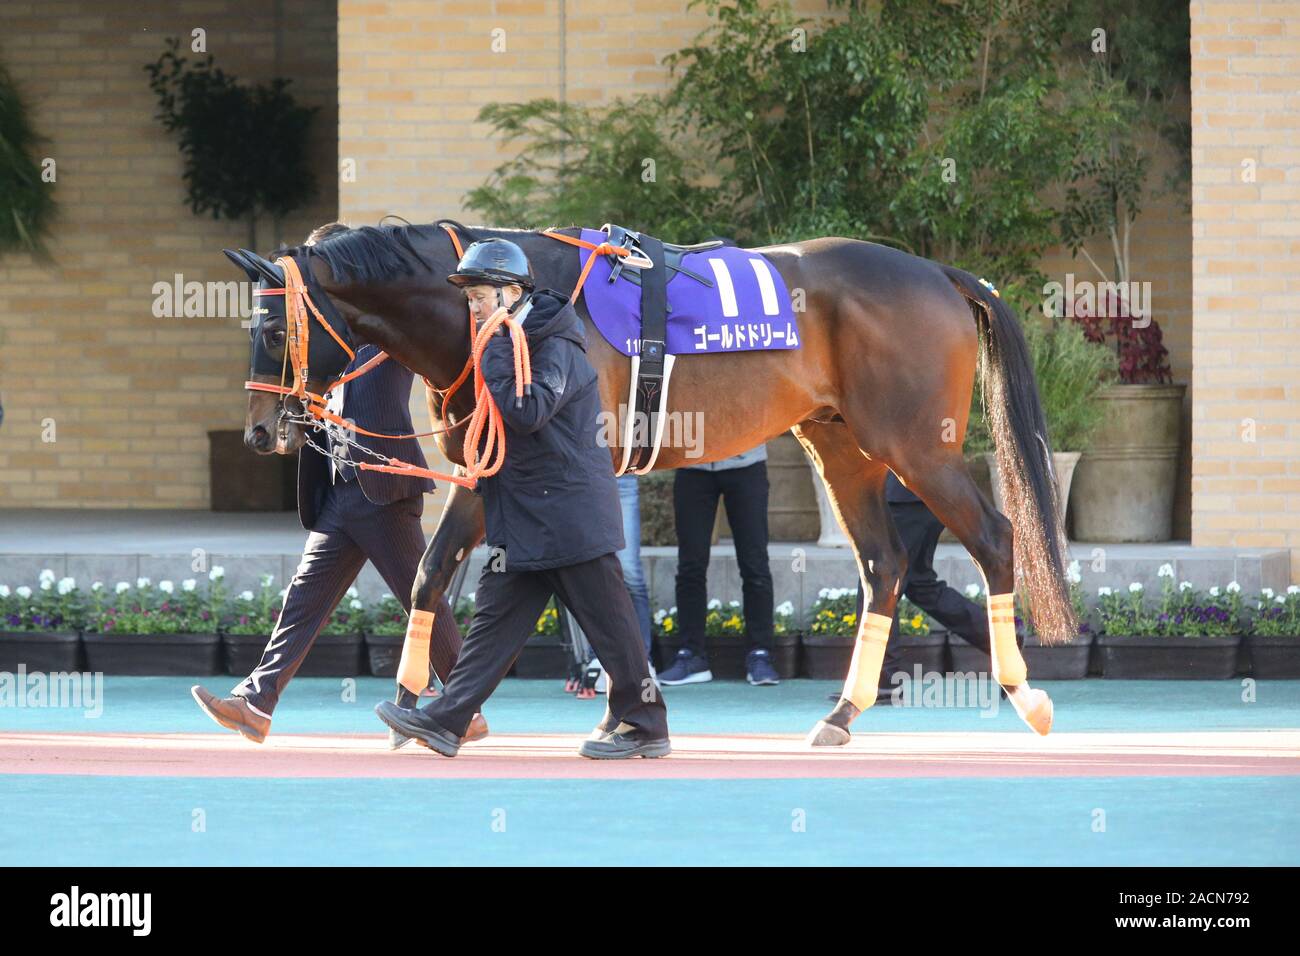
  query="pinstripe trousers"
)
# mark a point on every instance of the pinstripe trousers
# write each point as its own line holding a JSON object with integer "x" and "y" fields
{"x": 350, "y": 530}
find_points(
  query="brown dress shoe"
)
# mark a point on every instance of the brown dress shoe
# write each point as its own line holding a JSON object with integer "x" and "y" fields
{"x": 477, "y": 730}
{"x": 233, "y": 713}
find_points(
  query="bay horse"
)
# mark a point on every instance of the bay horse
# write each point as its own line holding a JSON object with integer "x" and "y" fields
{"x": 881, "y": 382}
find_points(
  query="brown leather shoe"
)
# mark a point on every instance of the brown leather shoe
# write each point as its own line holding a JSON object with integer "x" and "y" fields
{"x": 233, "y": 713}
{"x": 478, "y": 729}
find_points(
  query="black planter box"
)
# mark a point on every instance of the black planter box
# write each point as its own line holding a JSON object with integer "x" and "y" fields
{"x": 927, "y": 650}
{"x": 164, "y": 655}
{"x": 335, "y": 655}
{"x": 545, "y": 656}
{"x": 384, "y": 653}
{"x": 242, "y": 652}
{"x": 57, "y": 652}
{"x": 967, "y": 658}
{"x": 727, "y": 654}
{"x": 1058, "y": 661}
{"x": 1168, "y": 658}
{"x": 1274, "y": 657}
{"x": 827, "y": 656}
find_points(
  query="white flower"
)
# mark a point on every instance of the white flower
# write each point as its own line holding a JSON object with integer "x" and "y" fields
{"x": 786, "y": 607}
{"x": 1103, "y": 592}
{"x": 660, "y": 615}
{"x": 824, "y": 593}
{"x": 142, "y": 582}
{"x": 189, "y": 584}
{"x": 1074, "y": 573}
{"x": 166, "y": 587}
{"x": 1134, "y": 588}
{"x": 671, "y": 610}
{"x": 24, "y": 592}
{"x": 1233, "y": 587}
{"x": 972, "y": 590}
{"x": 217, "y": 573}
{"x": 353, "y": 592}
{"x": 97, "y": 586}
{"x": 284, "y": 592}
{"x": 1268, "y": 593}
{"x": 4, "y": 590}
{"x": 266, "y": 580}
{"x": 1166, "y": 571}
{"x": 471, "y": 594}
{"x": 1293, "y": 589}
{"x": 67, "y": 585}
{"x": 46, "y": 575}
{"x": 121, "y": 587}
{"x": 355, "y": 605}
{"x": 1185, "y": 585}
{"x": 245, "y": 595}
{"x": 47, "y": 583}
{"x": 1279, "y": 599}
{"x": 714, "y": 604}
{"x": 1214, "y": 592}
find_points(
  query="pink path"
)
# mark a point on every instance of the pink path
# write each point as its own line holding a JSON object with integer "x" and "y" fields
{"x": 553, "y": 756}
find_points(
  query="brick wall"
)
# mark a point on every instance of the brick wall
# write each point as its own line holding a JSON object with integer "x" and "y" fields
{"x": 1245, "y": 249}
{"x": 131, "y": 396}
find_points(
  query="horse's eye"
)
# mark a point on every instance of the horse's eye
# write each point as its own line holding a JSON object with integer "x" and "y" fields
{"x": 275, "y": 339}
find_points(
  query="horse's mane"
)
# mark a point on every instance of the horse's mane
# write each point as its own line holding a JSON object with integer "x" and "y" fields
{"x": 388, "y": 250}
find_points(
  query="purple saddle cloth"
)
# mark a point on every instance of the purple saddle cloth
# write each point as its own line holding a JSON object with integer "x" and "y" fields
{"x": 747, "y": 308}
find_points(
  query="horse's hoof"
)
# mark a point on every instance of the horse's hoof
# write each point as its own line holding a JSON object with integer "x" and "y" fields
{"x": 1035, "y": 709}
{"x": 827, "y": 735}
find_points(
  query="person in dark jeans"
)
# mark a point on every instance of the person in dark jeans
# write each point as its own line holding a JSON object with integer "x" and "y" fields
{"x": 742, "y": 483}
{"x": 920, "y": 530}
{"x": 554, "y": 525}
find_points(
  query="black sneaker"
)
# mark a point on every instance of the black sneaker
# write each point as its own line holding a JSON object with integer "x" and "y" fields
{"x": 687, "y": 668}
{"x": 759, "y": 669}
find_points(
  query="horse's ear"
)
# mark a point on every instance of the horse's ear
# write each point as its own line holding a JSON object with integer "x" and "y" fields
{"x": 238, "y": 259}
{"x": 267, "y": 269}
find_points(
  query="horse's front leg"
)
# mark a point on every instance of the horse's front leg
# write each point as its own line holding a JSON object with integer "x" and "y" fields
{"x": 459, "y": 529}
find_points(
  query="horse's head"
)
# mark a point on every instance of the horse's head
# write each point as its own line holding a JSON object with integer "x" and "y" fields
{"x": 275, "y": 419}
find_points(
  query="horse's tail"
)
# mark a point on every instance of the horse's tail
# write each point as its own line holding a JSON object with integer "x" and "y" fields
{"x": 1024, "y": 456}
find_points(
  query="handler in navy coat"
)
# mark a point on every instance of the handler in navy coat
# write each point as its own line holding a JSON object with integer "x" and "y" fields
{"x": 553, "y": 524}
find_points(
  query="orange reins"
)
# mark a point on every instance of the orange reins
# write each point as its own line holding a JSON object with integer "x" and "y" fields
{"x": 299, "y": 309}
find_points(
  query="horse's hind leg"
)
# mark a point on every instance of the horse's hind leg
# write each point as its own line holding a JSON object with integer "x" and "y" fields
{"x": 856, "y": 488}
{"x": 459, "y": 529}
{"x": 944, "y": 484}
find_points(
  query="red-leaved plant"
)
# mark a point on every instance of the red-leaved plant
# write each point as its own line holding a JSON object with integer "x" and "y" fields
{"x": 1143, "y": 358}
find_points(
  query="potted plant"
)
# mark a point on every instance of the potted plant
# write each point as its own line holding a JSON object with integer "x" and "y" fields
{"x": 38, "y": 628}
{"x": 155, "y": 630}
{"x": 1189, "y": 635}
{"x": 1062, "y": 661}
{"x": 1274, "y": 639}
{"x": 249, "y": 620}
{"x": 546, "y": 653}
{"x": 385, "y": 634}
{"x": 339, "y": 649}
{"x": 831, "y": 633}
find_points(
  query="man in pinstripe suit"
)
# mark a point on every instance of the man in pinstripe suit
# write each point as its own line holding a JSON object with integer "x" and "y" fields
{"x": 353, "y": 515}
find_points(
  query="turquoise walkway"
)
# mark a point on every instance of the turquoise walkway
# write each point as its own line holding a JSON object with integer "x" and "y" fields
{"x": 1030, "y": 821}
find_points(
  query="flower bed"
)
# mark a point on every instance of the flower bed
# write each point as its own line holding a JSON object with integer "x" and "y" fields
{"x": 39, "y": 627}
{"x": 727, "y": 639}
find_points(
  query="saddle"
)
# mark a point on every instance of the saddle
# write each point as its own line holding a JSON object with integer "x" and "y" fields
{"x": 648, "y": 267}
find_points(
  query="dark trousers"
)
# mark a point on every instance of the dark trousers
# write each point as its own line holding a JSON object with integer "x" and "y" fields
{"x": 695, "y": 505}
{"x": 350, "y": 530}
{"x": 506, "y": 607}
{"x": 920, "y": 530}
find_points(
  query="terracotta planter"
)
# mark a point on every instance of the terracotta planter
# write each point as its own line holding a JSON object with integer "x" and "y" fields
{"x": 57, "y": 652}
{"x": 1168, "y": 658}
{"x": 170, "y": 655}
{"x": 384, "y": 653}
{"x": 1275, "y": 658}
{"x": 1064, "y": 463}
{"x": 727, "y": 655}
{"x": 1125, "y": 483}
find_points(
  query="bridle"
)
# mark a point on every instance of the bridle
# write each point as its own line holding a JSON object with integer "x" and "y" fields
{"x": 299, "y": 312}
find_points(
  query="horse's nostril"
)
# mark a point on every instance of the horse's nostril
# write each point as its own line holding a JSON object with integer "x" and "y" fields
{"x": 259, "y": 437}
